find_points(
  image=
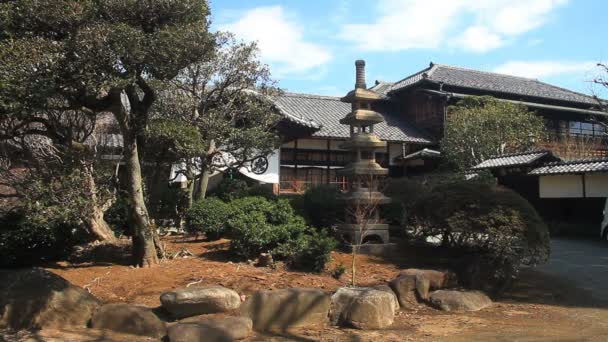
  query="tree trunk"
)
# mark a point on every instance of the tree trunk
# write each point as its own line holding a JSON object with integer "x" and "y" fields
{"x": 203, "y": 183}
{"x": 97, "y": 225}
{"x": 144, "y": 249}
{"x": 205, "y": 174}
{"x": 99, "y": 228}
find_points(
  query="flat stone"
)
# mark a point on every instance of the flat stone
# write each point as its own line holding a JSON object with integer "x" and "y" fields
{"x": 193, "y": 301}
{"x": 362, "y": 308}
{"x": 457, "y": 300}
{"x": 34, "y": 298}
{"x": 129, "y": 319}
{"x": 212, "y": 329}
{"x": 281, "y": 310}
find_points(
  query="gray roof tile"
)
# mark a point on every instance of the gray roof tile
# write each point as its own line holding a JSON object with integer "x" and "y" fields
{"x": 327, "y": 111}
{"x": 492, "y": 82}
{"x": 514, "y": 159}
{"x": 574, "y": 166}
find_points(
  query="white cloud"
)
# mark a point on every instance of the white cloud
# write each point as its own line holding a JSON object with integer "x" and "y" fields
{"x": 281, "y": 41}
{"x": 484, "y": 25}
{"x": 541, "y": 69}
{"x": 479, "y": 39}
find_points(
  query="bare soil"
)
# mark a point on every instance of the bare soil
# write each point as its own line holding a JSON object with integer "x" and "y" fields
{"x": 539, "y": 308}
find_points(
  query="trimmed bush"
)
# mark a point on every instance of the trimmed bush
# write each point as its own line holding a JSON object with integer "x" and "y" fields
{"x": 309, "y": 252}
{"x": 208, "y": 216}
{"x": 258, "y": 225}
{"x": 261, "y": 190}
{"x": 496, "y": 224}
{"x": 323, "y": 206}
{"x": 229, "y": 189}
{"x": 25, "y": 243}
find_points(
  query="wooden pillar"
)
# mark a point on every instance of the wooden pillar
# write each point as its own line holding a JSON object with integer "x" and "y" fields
{"x": 328, "y": 161}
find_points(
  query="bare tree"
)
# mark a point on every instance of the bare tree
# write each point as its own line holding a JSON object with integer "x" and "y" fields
{"x": 362, "y": 210}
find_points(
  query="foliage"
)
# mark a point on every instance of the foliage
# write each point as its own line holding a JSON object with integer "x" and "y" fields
{"x": 495, "y": 223}
{"x": 224, "y": 98}
{"x": 308, "y": 252}
{"x": 171, "y": 141}
{"x": 323, "y": 206}
{"x": 404, "y": 193}
{"x": 208, "y": 216}
{"x": 258, "y": 225}
{"x": 25, "y": 241}
{"x": 117, "y": 216}
{"x": 338, "y": 271}
{"x": 261, "y": 190}
{"x": 100, "y": 56}
{"x": 479, "y": 127}
{"x": 229, "y": 189}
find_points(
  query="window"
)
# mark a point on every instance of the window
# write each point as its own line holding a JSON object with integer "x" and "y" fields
{"x": 585, "y": 128}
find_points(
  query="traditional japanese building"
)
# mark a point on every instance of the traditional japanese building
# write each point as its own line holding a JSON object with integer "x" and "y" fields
{"x": 415, "y": 112}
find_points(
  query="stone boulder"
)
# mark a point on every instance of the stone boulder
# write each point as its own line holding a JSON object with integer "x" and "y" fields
{"x": 212, "y": 329}
{"x": 437, "y": 279}
{"x": 410, "y": 289}
{"x": 362, "y": 308}
{"x": 129, "y": 319}
{"x": 35, "y": 299}
{"x": 281, "y": 310}
{"x": 193, "y": 301}
{"x": 390, "y": 291}
{"x": 456, "y": 300}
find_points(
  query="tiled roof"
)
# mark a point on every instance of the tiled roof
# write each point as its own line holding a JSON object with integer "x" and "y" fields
{"x": 382, "y": 87}
{"x": 327, "y": 111}
{"x": 422, "y": 154}
{"x": 515, "y": 159}
{"x": 574, "y": 166}
{"x": 492, "y": 82}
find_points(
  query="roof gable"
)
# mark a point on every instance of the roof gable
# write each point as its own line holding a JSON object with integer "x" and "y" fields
{"x": 492, "y": 82}
{"x": 326, "y": 111}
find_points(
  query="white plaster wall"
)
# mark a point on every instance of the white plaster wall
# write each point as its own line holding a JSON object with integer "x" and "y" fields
{"x": 596, "y": 185}
{"x": 562, "y": 186}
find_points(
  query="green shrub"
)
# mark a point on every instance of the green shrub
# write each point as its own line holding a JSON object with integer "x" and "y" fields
{"x": 323, "y": 206}
{"x": 261, "y": 190}
{"x": 229, "y": 189}
{"x": 258, "y": 225}
{"x": 404, "y": 193}
{"x": 24, "y": 242}
{"x": 208, "y": 216}
{"x": 496, "y": 224}
{"x": 117, "y": 216}
{"x": 309, "y": 252}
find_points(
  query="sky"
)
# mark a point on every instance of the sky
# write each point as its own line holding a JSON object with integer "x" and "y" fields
{"x": 311, "y": 45}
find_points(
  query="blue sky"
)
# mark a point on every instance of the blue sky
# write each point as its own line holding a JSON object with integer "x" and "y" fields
{"x": 311, "y": 45}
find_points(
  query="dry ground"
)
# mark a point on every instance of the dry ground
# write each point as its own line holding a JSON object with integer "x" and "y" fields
{"x": 540, "y": 307}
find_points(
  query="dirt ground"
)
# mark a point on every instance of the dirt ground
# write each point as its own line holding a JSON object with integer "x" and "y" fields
{"x": 539, "y": 308}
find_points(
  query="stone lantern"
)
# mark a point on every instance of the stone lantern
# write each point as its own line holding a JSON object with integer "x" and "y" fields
{"x": 363, "y": 172}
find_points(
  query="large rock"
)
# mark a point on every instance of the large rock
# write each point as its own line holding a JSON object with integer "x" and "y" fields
{"x": 390, "y": 291}
{"x": 455, "y": 300}
{"x": 410, "y": 289}
{"x": 212, "y": 329}
{"x": 362, "y": 308}
{"x": 37, "y": 299}
{"x": 437, "y": 279}
{"x": 129, "y": 319}
{"x": 285, "y": 309}
{"x": 193, "y": 301}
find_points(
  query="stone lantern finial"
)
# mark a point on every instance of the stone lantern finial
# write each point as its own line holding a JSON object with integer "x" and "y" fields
{"x": 360, "y": 80}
